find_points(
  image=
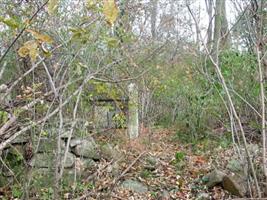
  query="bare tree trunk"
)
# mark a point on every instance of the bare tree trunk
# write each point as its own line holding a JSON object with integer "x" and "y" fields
{"x": 209, "y": 8}
{"x": 221, "y": 36}
{"x": 154, "y": 10}
{"x": 260, "y": 51}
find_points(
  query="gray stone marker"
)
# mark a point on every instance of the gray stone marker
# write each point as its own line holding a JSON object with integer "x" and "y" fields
{"x": 133, "y": 123}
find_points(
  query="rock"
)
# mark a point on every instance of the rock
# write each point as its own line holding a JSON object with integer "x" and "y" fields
{"x": 203, "y": 196}
{"x": 70, "y": 159}
{"x": 75, "y": 142}
{"x": 135, "y": 186}
{"x": 85, "y": 148}
{"x": 3, "y": 88}
{"x": 214, "y": 178}
{"x": 108, "y": 152}
{"x": 234, "y": 185}
{"x": 21, "y": 139}
{"x": 43, "y": 160}
{"x": 165, "y": 195}
{"x": 65, "y": 136}
{"x": 47, "y": 145}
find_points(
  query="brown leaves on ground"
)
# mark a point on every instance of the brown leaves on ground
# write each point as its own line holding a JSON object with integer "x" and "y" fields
{"x": 180, "y": 179}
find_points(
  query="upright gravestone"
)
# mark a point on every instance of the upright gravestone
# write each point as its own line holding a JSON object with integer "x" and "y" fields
{"x": 133, "y": 123}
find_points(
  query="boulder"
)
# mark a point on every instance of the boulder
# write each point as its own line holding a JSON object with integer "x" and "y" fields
{"x": 21, "y": 139}
{"x": 76, "y": 141}
{"x": 134, "y": 186}
{"x": 65, "y": 136}
{"x": 86, "y": 148}
{"x": 234, "y": 185}
{"x": 70, "y": 159}
{"x": 43, "y": 160}
{"x": 214, "y": 178}
{"x": 48, "y": 145}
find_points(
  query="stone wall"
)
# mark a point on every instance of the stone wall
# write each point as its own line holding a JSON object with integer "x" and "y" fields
{"x": 82, "y": 156}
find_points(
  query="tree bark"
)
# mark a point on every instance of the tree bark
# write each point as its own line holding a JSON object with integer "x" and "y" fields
{"x": 209, "y": 8}
{"x": 154, "y": 10}
{"x": 221, "y": 35}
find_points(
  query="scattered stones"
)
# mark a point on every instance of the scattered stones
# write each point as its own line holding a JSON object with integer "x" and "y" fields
{"x": 135, "y": 186}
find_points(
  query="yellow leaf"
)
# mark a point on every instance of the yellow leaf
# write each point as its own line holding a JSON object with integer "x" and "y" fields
{"x": 52, "y": 6}
{"x": 39, "y": 36}
{"x": 23, "y": 51}
{"x": 33, "y": 54}
{"x": 29, "y": 48}
{"x": 110, "y": 11}
{"x": 32, "y": 44}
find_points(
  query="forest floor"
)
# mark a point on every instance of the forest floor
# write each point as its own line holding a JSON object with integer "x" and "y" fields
{"x": 162, "y": 164}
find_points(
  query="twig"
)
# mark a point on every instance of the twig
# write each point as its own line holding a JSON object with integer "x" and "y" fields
{"x": 13, "y": 119}
{"x": 100, "y": 170}
{"x": 127, "y": 169}
{"x": 50, "y": 78}
{"x": 3, "y": 70}
{"x": 21, "y": 32}
{"x": 231, "y": 104}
